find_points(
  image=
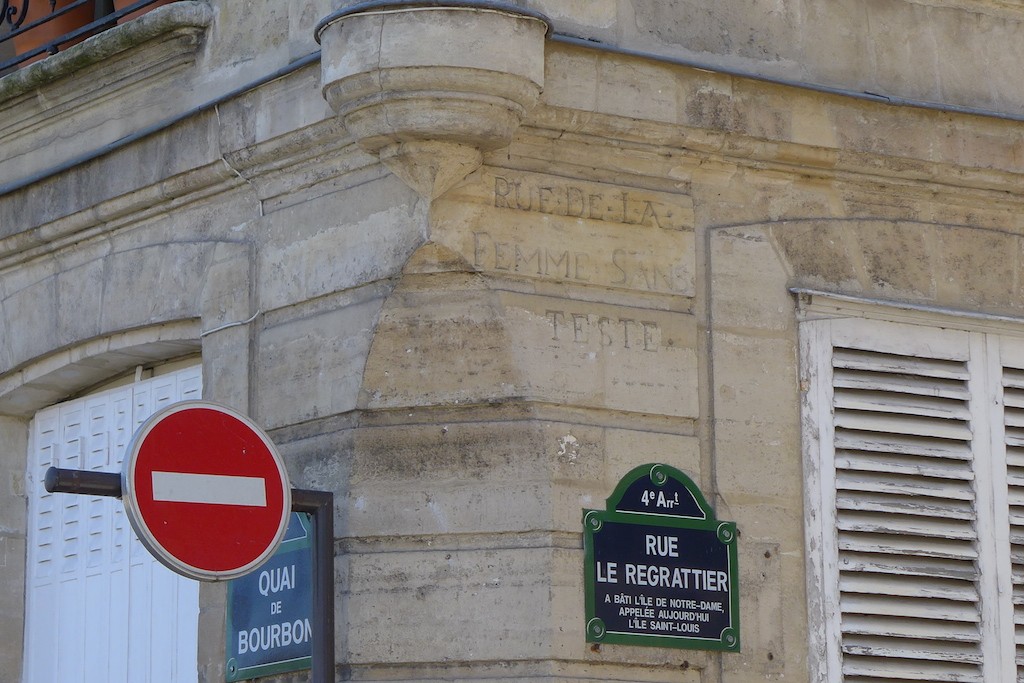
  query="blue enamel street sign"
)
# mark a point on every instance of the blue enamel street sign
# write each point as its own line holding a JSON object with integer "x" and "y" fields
{"x": 269, "y": 621}
{"x": 660, "y": 570}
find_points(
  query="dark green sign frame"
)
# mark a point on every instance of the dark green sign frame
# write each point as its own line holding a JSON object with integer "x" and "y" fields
{"x": 660, "y": 570}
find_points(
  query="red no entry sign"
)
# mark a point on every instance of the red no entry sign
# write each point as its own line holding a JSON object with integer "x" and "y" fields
{"x": 206, "y": 491}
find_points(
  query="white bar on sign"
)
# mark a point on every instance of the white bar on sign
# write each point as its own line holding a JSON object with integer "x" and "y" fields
{"x": 212, "y": 489}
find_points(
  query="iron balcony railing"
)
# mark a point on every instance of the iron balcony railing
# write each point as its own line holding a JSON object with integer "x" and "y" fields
{"x": 33, "y": 29}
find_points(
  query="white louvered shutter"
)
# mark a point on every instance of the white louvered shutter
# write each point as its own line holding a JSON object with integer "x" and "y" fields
{"x": 99, "y": 607}
{"x": 1012, "y": 375}
{"x": 913, "y": 522}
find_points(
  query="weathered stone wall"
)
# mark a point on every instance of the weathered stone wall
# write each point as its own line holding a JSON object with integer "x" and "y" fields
{"x": 952, "y": 52}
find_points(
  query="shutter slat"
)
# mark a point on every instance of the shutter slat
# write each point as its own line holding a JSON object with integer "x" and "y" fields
{"x": 1014, "y": 455}
{"x": 910, "y": 426}
{"x": 908, "y": 565}
{"x": 844, "y": 379}
{"x": 894, "y": 670}
{"x": 883, "y": 363}
{"x": 899, "y": 385}
{"x": 914, "y": 649}
{"x": 883, "y": 523}
{"x": 892, "y": 505}
{"x": 893, "y": 463}
{"x": 911, "y": 629}
{"x": 916, "y": 587}
{"x": 905, "y": 486}
{"x": 915, "y": 547}
{"x": 888, "y": 403}
{"x": 910, "y": 608}
{"x": 1013, "y": 378}
{"x": 902, "y": 444}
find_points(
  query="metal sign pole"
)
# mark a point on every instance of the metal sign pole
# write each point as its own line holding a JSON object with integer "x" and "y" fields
{"x": 319, "y": 504}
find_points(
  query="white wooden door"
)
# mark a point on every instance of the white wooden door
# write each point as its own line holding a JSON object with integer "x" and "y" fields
{"x": 99, "y": 608}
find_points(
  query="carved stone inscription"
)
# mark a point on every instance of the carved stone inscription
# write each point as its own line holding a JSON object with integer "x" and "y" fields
{"x": 636, "y": 269}
{"x": 617, "y": 357}
{"x": 617, "y": 332}
{"x": 535, "y": 347}
{"x": 491, "y": 254}
{"x": 539, "y": 194}
{"x": 587, "y": 233}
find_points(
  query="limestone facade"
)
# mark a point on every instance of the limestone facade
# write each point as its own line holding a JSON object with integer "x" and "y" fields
{"x": 492, "y": 257}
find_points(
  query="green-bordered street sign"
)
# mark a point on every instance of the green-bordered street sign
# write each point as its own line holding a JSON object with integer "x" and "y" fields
{"x": 660, "y": 569}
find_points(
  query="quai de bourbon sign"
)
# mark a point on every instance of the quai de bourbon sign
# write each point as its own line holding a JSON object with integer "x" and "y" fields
{"x": 660, "y": 570}
{"x": 270, "y": 611}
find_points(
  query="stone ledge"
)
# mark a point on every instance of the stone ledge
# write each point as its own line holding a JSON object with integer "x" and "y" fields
{"x": 692, "y": 144}
{"x": 184, "y": 19}
{"x": 98, "y": 91}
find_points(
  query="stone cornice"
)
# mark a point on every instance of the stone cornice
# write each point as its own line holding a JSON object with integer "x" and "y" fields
{"x": 274, "y": 169}
{"x": 675, "y": 144}
{"x": 571, "y": 132}
{"x": 638, "y": 153}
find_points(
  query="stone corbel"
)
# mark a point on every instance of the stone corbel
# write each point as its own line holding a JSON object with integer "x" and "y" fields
{"x": 429, "y": 86}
